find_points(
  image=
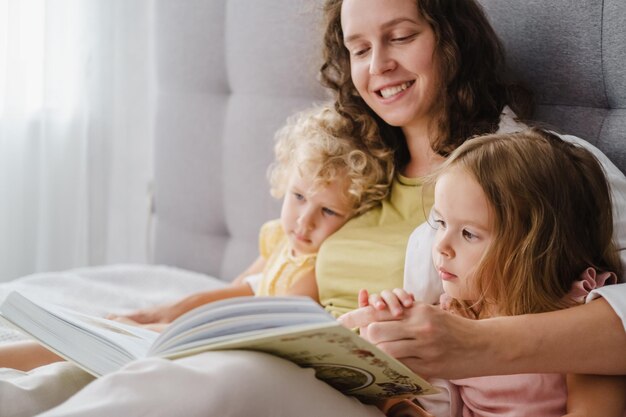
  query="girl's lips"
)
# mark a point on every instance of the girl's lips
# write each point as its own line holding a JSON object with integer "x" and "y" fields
{"x": 445, "y": 275}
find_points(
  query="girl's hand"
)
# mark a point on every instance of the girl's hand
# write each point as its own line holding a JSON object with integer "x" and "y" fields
{"x": 405, "y": 408}
{"x": 389, "y": 305}
{"x": 396, "y": 301}
{"x": 151, "y": 315}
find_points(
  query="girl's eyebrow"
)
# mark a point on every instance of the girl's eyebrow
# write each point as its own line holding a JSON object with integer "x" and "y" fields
{"x": 479, "y": 226}
{"x": 385, "y": 25}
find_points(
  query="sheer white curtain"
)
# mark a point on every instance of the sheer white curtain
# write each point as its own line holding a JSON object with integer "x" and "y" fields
{"x": 75, "y": 139}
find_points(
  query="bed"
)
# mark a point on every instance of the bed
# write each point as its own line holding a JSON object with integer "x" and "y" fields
{"x": 228, "y": 74}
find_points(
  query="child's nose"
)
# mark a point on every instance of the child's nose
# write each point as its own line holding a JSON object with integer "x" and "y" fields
{"x": 305, "y": 220}
{"x": 444, "y": 248}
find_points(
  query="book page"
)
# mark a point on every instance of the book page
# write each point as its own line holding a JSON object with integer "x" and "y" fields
{"x": 96, "y": 344}
{"x": 220, "y": 318}
{"x": 234, "y": 328}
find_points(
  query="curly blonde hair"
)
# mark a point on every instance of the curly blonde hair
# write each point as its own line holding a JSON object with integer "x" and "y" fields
{"x": 318, "y": 142}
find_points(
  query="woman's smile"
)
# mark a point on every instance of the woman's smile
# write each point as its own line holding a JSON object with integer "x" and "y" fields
{"x": 392, "y": 59}
{"x": 394, "y": 89}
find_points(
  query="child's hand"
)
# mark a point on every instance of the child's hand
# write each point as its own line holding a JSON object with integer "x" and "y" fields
{"x": 396, "y": 300}
{"x": 406, "y": 408}
{"x": 150, "y": 315}
{"x": 373, "y": 308}
{"x": 157, "y": 327}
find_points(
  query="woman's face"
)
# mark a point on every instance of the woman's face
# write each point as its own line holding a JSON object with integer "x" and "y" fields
{"x": 392, "y": 59}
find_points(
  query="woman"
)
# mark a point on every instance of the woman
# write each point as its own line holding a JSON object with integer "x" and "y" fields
{"x": 385, "y": 69}
{"x": 418, "y": 73}
{"x": 413, "y": 82}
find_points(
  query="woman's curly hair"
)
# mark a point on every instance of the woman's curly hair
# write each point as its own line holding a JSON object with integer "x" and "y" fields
{"x": 318, "y": 142}
{"x": 471, "y": 61}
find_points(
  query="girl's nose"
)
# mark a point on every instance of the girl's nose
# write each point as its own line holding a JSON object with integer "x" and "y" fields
{"x": 444, "y": 248}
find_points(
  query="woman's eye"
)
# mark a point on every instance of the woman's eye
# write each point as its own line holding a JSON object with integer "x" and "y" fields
{"x": 402, "y": 38}
{"x": 360, "y": 52}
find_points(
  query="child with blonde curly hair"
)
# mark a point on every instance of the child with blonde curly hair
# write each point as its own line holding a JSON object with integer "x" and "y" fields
{"x": 324, "y": 179}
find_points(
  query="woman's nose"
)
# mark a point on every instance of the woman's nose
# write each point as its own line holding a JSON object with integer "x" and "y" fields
{"x": 381, "y": 61}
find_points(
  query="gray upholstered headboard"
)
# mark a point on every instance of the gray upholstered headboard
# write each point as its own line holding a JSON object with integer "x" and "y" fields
{"x": 229, "y": 72}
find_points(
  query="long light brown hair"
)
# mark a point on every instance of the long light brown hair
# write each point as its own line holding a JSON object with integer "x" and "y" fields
{"x": 471, "y": 62}
{"x": 552, "y": 218}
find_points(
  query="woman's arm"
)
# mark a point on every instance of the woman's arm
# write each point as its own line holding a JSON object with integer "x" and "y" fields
{"x": 587, "y": 339}
{"x": 596, "y": 395}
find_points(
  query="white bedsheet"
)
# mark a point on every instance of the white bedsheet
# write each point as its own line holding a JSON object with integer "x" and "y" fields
{"x": 105, "y": 289}
{"x": 96, "y": 290}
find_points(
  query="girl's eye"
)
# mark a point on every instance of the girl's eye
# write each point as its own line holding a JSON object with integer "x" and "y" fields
{"x": 439, "y": 224}
{"x": 328, "y": 212}
{"x": 298, "y": 196}
{"x": 469, "y": 235}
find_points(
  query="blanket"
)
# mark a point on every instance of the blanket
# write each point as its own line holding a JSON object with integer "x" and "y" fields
{"x": 96, "y": 291}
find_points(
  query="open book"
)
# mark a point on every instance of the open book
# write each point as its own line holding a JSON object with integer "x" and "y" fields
{"x": 294, "y": 328}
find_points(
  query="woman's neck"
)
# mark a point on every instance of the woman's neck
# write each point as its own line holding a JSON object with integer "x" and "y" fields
{"x": 423, "y": 159}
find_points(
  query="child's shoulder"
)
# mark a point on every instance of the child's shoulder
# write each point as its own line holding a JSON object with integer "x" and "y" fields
{"x": 272, "y": 227}
{"x": 270, "y": 236}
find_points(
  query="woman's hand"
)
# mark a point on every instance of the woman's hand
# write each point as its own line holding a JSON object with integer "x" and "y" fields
{"x": 430, "y": 341}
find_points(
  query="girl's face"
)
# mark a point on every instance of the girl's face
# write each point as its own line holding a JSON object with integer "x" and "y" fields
{"x": 462, "y": 214}
{"x": 392, "y": 59}
{"x": 309, "y": 215}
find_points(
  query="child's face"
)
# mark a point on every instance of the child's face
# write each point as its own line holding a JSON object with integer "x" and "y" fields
{"x": 310, "y": 215}
{"x": 462, "y": 214}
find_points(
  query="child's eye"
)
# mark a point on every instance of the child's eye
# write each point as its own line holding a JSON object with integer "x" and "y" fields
{"x": 329, "y": 212}
{"x": 298, "y": 196}
{"x": 439, "y": 224}
{"x": 469, "y": 235}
